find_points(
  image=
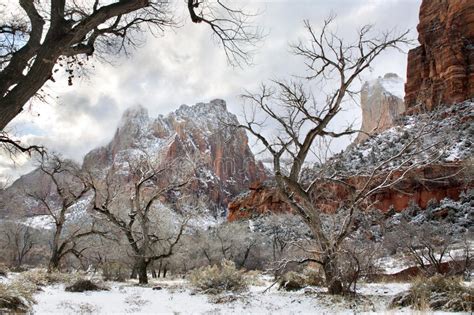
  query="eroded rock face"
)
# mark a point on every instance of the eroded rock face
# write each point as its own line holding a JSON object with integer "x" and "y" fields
{"x": 441, "y": 69}
{"x": 381, "y": 104}
{"x": 262, "y": 198}
{"x": 419, "y": 186}
{"x": 202, "y": 133}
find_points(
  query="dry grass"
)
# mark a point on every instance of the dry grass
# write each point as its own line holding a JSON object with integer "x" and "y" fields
{"x": 437, "y": 293}
{"x": 41, "y": 277}
{"x": 16, "y": 296}
{"x": 253, "y": 277}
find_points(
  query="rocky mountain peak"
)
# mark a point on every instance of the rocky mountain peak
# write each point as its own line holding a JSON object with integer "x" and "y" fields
{"x": 204, "y": 131}
{"x": 390, "y": 83}
{"x": 134, "y": 116}
{"x": 381, "y": 104}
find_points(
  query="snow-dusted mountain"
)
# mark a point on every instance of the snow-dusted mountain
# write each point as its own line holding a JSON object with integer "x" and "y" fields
{"x": 202, "y": 133}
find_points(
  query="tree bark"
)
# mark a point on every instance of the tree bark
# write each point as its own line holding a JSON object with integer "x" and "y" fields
{"x": 134, "y": 273}
{"x": 54, "y": 261}
{"x": 141, "y": 268}
{"x": 333, "y": 284}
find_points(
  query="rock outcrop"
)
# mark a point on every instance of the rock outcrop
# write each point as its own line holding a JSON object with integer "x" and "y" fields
{"x": 381, "y": 102}
{"x": 261, "y": 198}
{"x": 441, "y": 69}
{"x": 419, "y": 187}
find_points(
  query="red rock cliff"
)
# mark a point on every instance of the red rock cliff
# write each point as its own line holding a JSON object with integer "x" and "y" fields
{"x": 441, "y": 69}
{"x": 419, "y": 186}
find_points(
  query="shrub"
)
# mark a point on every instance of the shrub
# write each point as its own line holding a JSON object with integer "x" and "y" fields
{"x": 41, "y": 277}
{"x": 313, "y": 277}
{"x": 114, "y": 271}
{"x": 436, "y": 293}
{"x": 3, "y": 270}
{"x": 16, "y": 297}
{"x": 85, "y": 285}
{"x": 292, "y": 281}
{"x": 218, "y": 278}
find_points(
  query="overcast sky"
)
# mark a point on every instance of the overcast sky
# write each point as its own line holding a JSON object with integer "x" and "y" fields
{"x": 185, "y": 66}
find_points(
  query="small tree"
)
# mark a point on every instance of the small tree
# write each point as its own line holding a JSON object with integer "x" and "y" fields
{"x": 18, "y": 240}
{"x": 68, "y": 189}
{"x": 134, "y": 208}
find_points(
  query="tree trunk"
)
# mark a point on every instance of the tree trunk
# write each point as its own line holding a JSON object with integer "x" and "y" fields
{"x": 54, "y": 262}
{"x": 159, "y": 268}
{"x": 165, "y": 270}
{"x": 153, "y": 273}
{"x": 333, "y": 283}
{"x": 134, "y": 273}
{"x": 142, "y": 266}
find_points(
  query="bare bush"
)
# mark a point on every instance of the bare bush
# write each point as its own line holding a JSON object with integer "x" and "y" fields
{"x": 16, "y": 297}
{"x": 436, "y": 293}
{"x": 84, "y": 285}
{"x": 218, "y": 278}
{"x": 427, "y": 245}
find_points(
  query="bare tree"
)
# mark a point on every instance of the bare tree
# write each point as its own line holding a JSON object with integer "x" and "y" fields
{"x": 68, "y": 33}
{"x": 18, "y": 239}
{"x": 428, "y": 246}
{"x": 134, "y": 209}
{"x": 301, "y": 120}
{"x": 69, "y": 189}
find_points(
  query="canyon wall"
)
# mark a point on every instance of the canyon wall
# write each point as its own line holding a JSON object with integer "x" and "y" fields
{"x": 441, "y": 69}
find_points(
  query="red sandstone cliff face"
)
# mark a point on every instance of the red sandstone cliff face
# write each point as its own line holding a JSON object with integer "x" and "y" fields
{"x": 441, "y": 69}
{"x": 419, "y": 186}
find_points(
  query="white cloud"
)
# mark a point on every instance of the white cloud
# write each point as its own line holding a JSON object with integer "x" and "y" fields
{"x": 185, "y": 66}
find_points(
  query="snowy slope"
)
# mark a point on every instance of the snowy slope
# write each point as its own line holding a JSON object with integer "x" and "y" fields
{"x": 444, "y": 136}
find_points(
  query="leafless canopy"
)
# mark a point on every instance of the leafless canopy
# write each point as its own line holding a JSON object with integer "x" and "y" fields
{"x": 68, "y": 188}
{"x": 68, "y": 32}
{"x": 303, "y": 116}
{"x": 12, "y": 147}
{"x": 131, "y": 208}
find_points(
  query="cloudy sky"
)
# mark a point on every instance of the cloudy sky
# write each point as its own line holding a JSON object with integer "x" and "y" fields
{"x": 185, "y": 66}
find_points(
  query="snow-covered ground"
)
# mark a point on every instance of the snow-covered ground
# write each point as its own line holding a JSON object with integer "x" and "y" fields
{"x": 176, "y": 297}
